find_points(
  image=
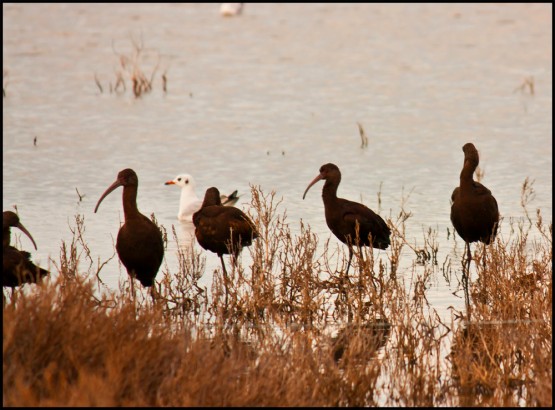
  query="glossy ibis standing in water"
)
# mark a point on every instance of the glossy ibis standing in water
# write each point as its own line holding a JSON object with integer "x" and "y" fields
{"x": 222, "y": 229}
{"x": 139, "y": 244}
{"x": 474, "y": 212}
{"x": 18, "y": 268}
{"x": 345, "y": 218}
{"x": 189, "y": 202}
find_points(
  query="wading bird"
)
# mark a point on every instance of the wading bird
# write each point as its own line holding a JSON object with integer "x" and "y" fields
{"x": 189, "y": 202}
{"x": 221, "y": 229}
{"x": 474, "y": 211}
{"x": 139, "y": 244}
{"x": 352, "y": 223}
{"x": 18, "y": 268}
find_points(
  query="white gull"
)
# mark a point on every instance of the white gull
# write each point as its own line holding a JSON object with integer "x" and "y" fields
{"x": 189, "y": 202}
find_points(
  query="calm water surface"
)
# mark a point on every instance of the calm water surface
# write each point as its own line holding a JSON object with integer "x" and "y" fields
{"x": 266, "y": 98}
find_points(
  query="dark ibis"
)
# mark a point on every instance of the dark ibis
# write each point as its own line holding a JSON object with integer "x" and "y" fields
{"x": 345, "y": 217}
{"x": 474, "y": 211}
{"x": 222, "y": 229}
{"x": 189, "y": 203}
{"x": 139, "y": 244}
{"x": 18, "y": 268}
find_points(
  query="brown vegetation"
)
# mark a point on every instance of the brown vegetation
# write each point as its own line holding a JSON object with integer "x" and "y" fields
{"x": 131, "y": 73}
{"x": 295, "y": 330}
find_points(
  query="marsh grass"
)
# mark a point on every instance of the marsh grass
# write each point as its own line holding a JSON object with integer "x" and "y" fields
{"x": 289, "y": 329}
{"x": 131, "y": 72}
{"x": 363, "y": 137}
{"x": 527, "y": 85}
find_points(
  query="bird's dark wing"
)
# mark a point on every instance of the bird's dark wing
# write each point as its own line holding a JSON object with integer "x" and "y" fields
{"x": 242, "y": 225}
{"x": 370, "y": 222}
{"x": 455, "y": 194}
{"x": 479, "y": 189}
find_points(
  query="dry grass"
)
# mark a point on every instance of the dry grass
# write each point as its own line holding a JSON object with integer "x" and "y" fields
{"x": 363, "y": 137}
{"x": 289, "y": 329}
{"x": 131, "y": 72}
{"x": 527, "y": 85}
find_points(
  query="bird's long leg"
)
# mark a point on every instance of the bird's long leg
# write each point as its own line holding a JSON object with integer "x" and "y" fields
{"x": 466, "y": 258}
{"x": 468, "y": 255}
{"x": 225, "y": 279}
{"x": 466, "y": 276}
{"x": 349, "y": 263}
{"x": 345, "y": 280}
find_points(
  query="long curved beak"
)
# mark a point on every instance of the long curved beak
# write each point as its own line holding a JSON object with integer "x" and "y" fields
{"x": 169, "y": 183}
{"x": 116, "y": 184}
{"x": 318, "y": 178}
{"x": 20, "y": 226}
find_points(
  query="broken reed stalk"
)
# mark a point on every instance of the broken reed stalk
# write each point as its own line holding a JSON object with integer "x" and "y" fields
{"x": 363, "y": 137}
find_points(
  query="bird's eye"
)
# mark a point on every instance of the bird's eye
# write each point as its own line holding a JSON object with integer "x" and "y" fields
{"x": 179, "y": 179}
{"x": 186, "y": 181}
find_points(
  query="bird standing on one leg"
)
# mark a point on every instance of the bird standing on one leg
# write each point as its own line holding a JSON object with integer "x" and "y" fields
{"x": 474, "y": 212}
{"x": 351, "y": 222}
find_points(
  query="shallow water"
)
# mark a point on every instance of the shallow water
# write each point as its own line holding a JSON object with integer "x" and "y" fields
{"x": 266, "y": 98}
